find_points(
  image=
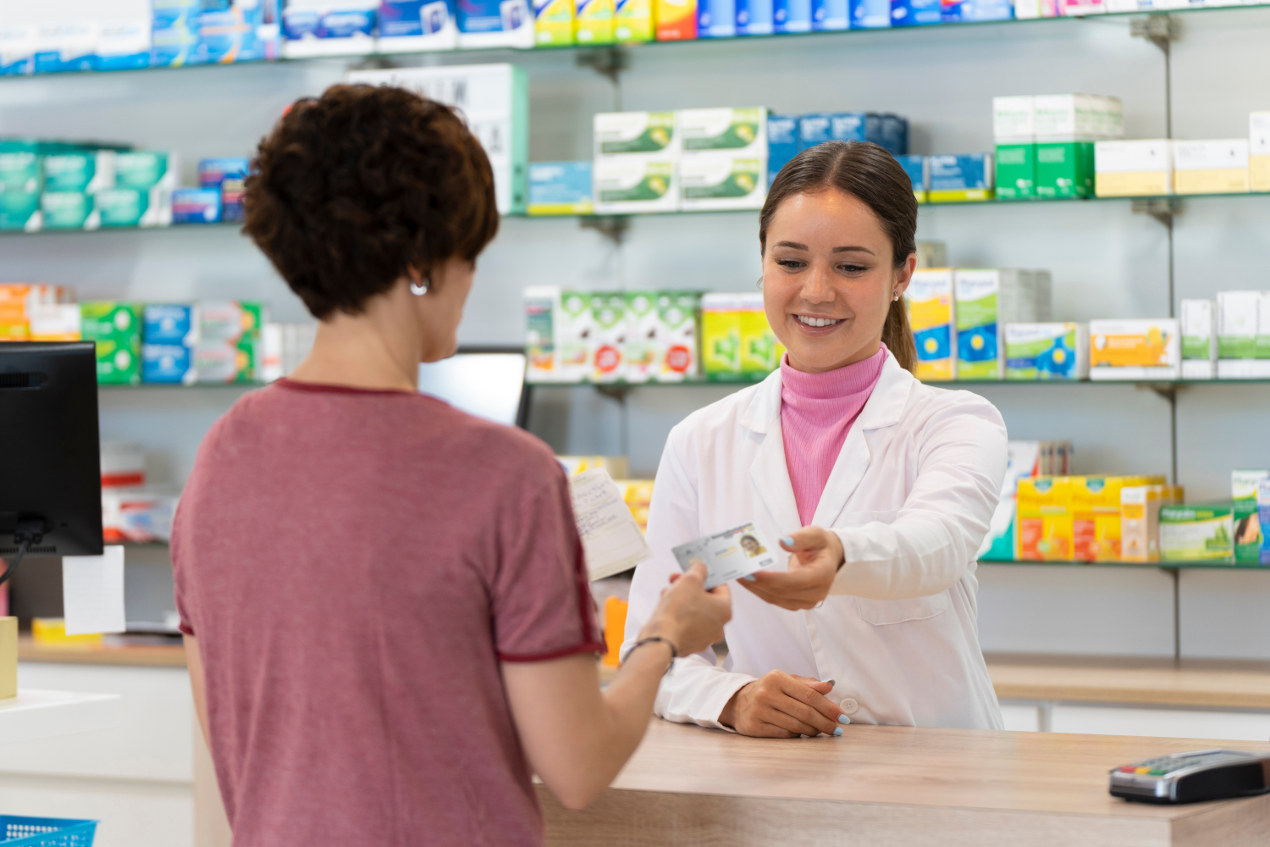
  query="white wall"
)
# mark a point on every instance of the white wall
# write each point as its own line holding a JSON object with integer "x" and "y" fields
{"x": 1107, "y": 262}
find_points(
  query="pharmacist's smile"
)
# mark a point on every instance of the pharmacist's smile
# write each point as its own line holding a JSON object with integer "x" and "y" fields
{"x": 817, "y": 324}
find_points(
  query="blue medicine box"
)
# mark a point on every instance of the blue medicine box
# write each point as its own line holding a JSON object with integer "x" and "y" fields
{"x": 895, "y": 134}
{"x": 966, "y": 177}
{"x": 791, "y": 15}
{"x": 196, "y": 205}
{"x": 915, "y": 12}
{"x": 849, "y": 126}
{"x": 166, "y": 363}
{"x": 213, "y": 172}
{"x": 782, "y": 143}
{"x": 814, "y": 128}
{"x": 560, "y": 188}
{"x": 954, "y": 11}
{"x": 168, "y": 324}
{"x": 829, "y": 15}
{"x": 755, "y": 17}
{"x": 716, "y": 18}
{"x": 413, "y": 18}
{"x": 869, "y": 14}
{"x": 915, "y": 167}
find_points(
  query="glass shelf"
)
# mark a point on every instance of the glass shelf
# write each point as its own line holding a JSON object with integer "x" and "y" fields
{"x": 963, "y": 383}
{"x": 1164, "y": 565}
{"x": 505, "y": 52}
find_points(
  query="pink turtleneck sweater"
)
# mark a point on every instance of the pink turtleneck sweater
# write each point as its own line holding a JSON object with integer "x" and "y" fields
{"x": 817, "y": 411}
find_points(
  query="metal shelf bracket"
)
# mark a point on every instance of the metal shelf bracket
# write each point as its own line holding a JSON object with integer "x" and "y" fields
{"x": 606, "y": 61}
{"x": 1160, "y": 208}
{"x": 1160, "y": 30}
{"x": 611, "y": 227}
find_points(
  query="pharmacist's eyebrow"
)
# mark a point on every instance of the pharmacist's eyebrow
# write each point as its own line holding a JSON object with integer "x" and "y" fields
{"x": 853, "y": 250}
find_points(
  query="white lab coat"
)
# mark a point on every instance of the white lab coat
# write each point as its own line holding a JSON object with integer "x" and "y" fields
{"x": 911, "y": 496}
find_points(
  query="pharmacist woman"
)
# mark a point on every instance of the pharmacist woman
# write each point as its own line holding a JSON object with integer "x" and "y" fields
{"x": 388, "y": 626}
{"x": 882, "y": 487}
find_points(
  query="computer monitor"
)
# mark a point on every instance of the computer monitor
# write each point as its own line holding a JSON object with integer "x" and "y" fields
{"x": 488, "y": 382}
{"x": 50, "y": 453}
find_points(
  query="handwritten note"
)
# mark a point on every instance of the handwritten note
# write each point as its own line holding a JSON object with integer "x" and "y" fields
{"x": 92, "y": 592}
{"x": 610, "y": 537}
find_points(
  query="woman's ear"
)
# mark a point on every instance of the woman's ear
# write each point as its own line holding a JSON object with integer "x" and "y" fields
{"x": 904, "y": 274}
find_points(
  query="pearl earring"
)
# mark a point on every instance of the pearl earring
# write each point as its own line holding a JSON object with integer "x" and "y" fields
{"x": 419, "y": 289}
{"x": 895, "y": 299}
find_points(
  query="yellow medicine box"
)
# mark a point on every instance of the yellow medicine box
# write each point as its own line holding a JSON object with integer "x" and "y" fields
{"x": 1135, "y": 349}
{"x": 1044, "y": 519}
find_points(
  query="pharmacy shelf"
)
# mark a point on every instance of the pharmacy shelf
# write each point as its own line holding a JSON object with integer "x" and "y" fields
{"x": 1165, "y": 565}
{"x": 1154, "y": 204}
{"x": 166, "y": 386}
{"x": 613, "y": 66}
{"x": 37, "y": 714}
{"x": 960, "y": 383}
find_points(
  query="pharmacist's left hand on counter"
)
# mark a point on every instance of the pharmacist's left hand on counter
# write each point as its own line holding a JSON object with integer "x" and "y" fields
{"x": 816, "y": 556}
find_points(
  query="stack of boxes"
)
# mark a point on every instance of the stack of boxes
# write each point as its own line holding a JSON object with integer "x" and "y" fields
{"x": 636, "y": 162}
{"x": 219, "y": 195}
{"x": 210, "y": 341}
{"x": 116, "y": 327}
{"x": 559, "y": 23}
{"x": 736, "y": 341}
{"x": 408, "y": 26}
{"x": 1045, "y": 143}
{"x": 724, "y": 157}
{"x": 326, "y": 28}
{"x": 1074, "y": 518}
{"x": 959, "y": 317}
{"x": 36, "y": 312}
{"x": 1243, "y": 334}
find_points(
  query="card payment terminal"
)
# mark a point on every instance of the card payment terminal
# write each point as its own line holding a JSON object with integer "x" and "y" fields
{"x": 1192, "y": 777}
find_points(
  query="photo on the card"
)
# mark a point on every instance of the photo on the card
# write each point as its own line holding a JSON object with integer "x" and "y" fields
{"x": 729, "y": 555}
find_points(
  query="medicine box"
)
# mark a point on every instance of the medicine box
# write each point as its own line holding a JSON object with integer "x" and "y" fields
{"x": 829, "y": 15}
{"x": 167, "y": 364}
{"x": 418, "y": 25}
{"x": 169, "y": 324}
{"x": 1259, "y": 150}
{"x": 639, "y": 356}
{"x": 852, "y": 126}
{"x": 214, "y": 362}
{"x": 1014, "y": 118}
{"x": 713, "y": 181}
{"x": 238, "y": 31}
{"x": 68, "y": 210}
{"x": 54, "y": 322}
{"x": 133, "y": 207}
{"x": 1077, "y": 117}
{"x": 756, "y": 17}
{"x": 593, "y": 22}
{"x": 930, "y": 301}
{"x": 174, "y": 31}
{"x": 213, "y": 172}
{"x": 574, "y": 332}
{"x": 1042, "y": 351}
{"x": 1140, "y": 520}
{"x": 1095, "y": 508}
{"x": 678, "y": 317}
{"x": 721, "y": 336}
{"x": 115, "y": 327}
{"x": 196, "y": 205}
{"x": 1245, "y": 487}
{"x": 495, "y": 23}
{"x": 1044, "y": 529}
{"x": 1238, "y": 328}
{"x": 228, "y": 321}
{"x": 915, "y": 167}
{"x": 869, "y": 14}
{"x": 634, "y": 22}
{"x": 650, "y": 134}
{"x": 1199, "y": 532}
{"x": 20, "y": 168}
{"x": 676, "y": 19}
{"x": 84, "y": 171}
{"x": 1065, "y": 169}
{"x": 1135, "y": 349}
{"x": 19, "y": 301}
{"x": 1022, "y": 461}
{"x": 634, "y": 185}
{"x": 542, "y": 302}
{"x": 984, "y": 300}
{"x": 145, "y": 170}
{"x": 782, "y": 143}
{"x": 1133, "y": 168}
{"x": 608, "y": 321}
{"x": 956, "y": 11}
{"x": 1016, "y": 171}
{"x": 916, "y": 12}
{"x": 554, "y": 22}
{"x": 790, "y": 15}
{"x": 716, "y": 18}
{"x": 1211, "y": 167}
{"x": 741, "y": 132}
{"x": 959, "y": 178}
{"x": 20, "y": 211}
{"x": 760, "y": 351}
{"x": 1198, "y": 324}
{"x": 328, "y": 27}
{"x": 560, "y": 188}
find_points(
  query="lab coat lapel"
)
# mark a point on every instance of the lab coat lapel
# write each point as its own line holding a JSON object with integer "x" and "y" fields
{"x": 769, "y": 474}
{"x": 870, "y": 433}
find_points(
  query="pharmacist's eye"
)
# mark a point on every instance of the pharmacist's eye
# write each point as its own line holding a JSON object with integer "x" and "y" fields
{"x": 790, "y": 264}
{"x": 852, "y": 269}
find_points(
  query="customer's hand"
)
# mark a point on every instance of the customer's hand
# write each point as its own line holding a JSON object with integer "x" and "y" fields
{"x": 691, "y": 617}
{"x": 782, "y": 705}
{"x": 817, "y": 555}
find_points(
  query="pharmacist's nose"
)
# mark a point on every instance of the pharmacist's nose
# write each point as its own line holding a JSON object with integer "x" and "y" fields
{"x": 817, "y": 287}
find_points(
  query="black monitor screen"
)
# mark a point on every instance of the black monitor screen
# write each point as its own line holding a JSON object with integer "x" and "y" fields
{"x": 487, "y": 383}
{"x": 50, "y": 452}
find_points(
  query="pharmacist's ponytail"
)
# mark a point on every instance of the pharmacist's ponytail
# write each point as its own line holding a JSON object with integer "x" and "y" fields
{"x": 871, "y": 175}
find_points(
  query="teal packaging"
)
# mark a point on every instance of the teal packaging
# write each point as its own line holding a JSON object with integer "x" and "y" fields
{"x": 168, "y": 324}
{"x": 782, "y": 143}
{"x": 20, "y": 211}
{"x": 716, "y": 18}
{"x": 125, "y": 207}
{"x": 916, "y": 12}
{"x": 170, "y": 364}
{"x": 869, "y": 14}
{"x": 20, "y": 165}
{"x": 83, "y": 171}
{"x": 849, "y": 126}
{"x": 915, "y": 167}
{"x": 791, "y": 15}
{"x": 68, "y": 210}
{"x": 829, "y": 15}
{"x": 755, "y": 17}
{"x": 144, "y": 170}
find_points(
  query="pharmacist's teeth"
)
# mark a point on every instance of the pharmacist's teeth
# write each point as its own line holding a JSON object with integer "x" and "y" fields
{"x": 816, "y": 321}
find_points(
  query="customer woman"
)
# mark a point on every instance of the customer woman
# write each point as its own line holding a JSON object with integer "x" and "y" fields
{"x": 387, "y": 619}
{"x": 880, "y": 486}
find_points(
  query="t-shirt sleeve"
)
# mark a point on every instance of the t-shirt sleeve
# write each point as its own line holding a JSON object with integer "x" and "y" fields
{"x": 542, "y": 603}
{"x": 180, "y": 574}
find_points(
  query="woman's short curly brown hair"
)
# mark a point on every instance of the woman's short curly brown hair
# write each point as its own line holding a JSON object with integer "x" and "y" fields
{"x": 352, "y": 189}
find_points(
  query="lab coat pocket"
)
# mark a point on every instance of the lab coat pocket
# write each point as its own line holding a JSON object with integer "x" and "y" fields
{"x": 887, "y": 612}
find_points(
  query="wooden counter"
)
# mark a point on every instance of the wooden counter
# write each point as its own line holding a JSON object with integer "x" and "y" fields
{"x": 166, "y": 655}
{"x": 894, "y": 786}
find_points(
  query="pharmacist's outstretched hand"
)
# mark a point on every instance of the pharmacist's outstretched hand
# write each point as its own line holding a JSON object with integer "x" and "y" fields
{"x": 817, "y": 555}
{"x": 691, "y": 617}
{"x": 784, "y": 705}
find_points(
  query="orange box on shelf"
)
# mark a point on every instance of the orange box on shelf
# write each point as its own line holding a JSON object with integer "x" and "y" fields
{"x": 1044, "y": 519}
{"x": 19, "y": 299}
{"x": 1095, "y": 505}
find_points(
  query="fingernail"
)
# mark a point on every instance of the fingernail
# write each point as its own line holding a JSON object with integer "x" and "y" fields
{"x": 843, "y": 719}
{"x": 830, "y": 681}
{"x": 787, "y": 540}
{"x": 750, "y": 578}
{"x": 837, "y": 732}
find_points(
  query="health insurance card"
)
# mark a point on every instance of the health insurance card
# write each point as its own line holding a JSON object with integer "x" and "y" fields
{"x": 729, "y": 555}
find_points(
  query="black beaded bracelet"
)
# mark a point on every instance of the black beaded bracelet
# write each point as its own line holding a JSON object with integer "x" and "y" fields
{"x": 674, "y": 654}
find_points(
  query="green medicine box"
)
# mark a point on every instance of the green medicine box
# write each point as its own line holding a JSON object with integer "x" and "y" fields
{"x": 1064, "y": 169}
{"x": 68, "y": 210}
{"x": 1016, "y": 171}
{"x": 115, "y": 326}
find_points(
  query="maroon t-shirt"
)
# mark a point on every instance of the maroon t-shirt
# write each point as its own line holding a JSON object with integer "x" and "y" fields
{"x": 355, "y": 565}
